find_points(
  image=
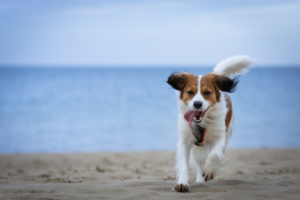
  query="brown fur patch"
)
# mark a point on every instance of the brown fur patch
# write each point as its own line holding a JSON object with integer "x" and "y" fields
{"x": 179, "y": 80}
{"x": 191, "y": 85}
{"x": 208, "y": 84}
{"x": 182, "y": 81}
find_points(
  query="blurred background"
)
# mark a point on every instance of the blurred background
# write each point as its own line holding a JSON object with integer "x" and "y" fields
{"x": 86, "y": 76}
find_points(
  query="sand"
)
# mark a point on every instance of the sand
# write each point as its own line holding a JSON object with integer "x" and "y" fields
{"x": 246, "y": 174}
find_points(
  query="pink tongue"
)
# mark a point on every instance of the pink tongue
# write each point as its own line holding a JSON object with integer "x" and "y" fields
{"x": 189, "y": 115}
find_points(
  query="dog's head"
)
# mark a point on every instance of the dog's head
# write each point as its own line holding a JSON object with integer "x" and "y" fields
{"x": 201, "y": 92}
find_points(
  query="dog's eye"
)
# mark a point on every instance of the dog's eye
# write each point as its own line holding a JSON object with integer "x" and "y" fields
{"x": 191, "y": 92}
{"x": 207, "y": 93}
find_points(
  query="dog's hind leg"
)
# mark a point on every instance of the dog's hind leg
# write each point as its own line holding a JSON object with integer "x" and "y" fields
{"x": 215, "y": 158}
{"x": 199, "y": 155}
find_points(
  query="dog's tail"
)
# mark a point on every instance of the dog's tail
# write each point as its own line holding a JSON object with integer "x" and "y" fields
{"x": 235, "y": 65}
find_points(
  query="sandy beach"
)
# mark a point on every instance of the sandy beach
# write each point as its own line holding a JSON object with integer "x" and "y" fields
{"x": 246, "y": 174}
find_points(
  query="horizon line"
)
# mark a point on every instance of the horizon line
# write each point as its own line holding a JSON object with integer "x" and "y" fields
{"x": 136, "y": 66}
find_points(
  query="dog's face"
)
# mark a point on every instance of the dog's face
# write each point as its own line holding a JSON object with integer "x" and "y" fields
{"x": 201, "y": 92}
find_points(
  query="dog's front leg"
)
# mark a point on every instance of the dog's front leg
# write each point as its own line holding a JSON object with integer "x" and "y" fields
{"x": 182, "y": 168}
{"x": 215, "y": 158}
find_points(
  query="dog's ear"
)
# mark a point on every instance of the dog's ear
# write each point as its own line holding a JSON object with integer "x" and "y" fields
{"x": 226, "y": 84}
{"x": 178, "y": 80}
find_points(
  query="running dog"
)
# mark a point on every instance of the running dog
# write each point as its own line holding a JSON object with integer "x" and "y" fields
{"x": 205, "y": 119}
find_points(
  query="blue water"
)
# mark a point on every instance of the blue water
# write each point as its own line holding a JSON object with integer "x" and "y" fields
{"x": 129, "y": 109}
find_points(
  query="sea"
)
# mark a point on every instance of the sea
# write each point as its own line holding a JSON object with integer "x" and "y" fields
{"x": 89, "y": 109}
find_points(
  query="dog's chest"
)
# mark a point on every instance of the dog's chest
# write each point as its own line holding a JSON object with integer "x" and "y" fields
{"x": 210, "y": 137}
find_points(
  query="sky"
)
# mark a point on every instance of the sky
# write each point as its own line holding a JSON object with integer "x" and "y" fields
{"x": 148, "y": 32}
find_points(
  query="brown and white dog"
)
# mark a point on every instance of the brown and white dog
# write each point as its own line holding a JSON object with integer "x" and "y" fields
{"x": 205, "y": 119}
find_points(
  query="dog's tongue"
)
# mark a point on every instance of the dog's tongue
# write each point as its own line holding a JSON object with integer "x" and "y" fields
{"x": 190, "y": 115}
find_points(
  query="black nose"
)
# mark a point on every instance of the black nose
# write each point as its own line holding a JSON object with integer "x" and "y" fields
{"x": 197, "y": 104}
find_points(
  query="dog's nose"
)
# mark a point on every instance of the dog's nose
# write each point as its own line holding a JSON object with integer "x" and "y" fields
{"x": 197, "y": 104}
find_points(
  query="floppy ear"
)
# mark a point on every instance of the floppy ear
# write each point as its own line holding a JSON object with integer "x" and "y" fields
{"x": 179, "y": 80}
{"x": 226, "y": 84}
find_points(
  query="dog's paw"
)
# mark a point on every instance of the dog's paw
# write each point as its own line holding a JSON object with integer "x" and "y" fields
{"x": 182, "y": 188}
{"x": 208, "y": 175}
{"x": 210, "y": 171}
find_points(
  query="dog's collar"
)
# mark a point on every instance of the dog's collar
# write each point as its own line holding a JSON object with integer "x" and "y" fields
{"x": 195, "y": 123}
{"x": 199, "y": 132}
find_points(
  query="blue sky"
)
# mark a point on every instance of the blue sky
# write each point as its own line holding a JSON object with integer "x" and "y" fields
{"x": 148, "y": 33}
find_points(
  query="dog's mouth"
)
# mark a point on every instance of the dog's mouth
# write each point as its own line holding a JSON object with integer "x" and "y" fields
{"x": 196, "y": 116}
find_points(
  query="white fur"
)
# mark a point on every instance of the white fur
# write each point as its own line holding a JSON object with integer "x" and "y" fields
{"x": 208, "y": 157}
{"x": 198, "y": 97}
{"x": 234, "y": 65}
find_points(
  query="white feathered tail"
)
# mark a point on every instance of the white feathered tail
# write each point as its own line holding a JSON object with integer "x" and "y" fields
{"x": 235, "y": 65}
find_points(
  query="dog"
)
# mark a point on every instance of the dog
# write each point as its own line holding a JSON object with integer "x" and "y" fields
{"x": 205, "y": 119}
